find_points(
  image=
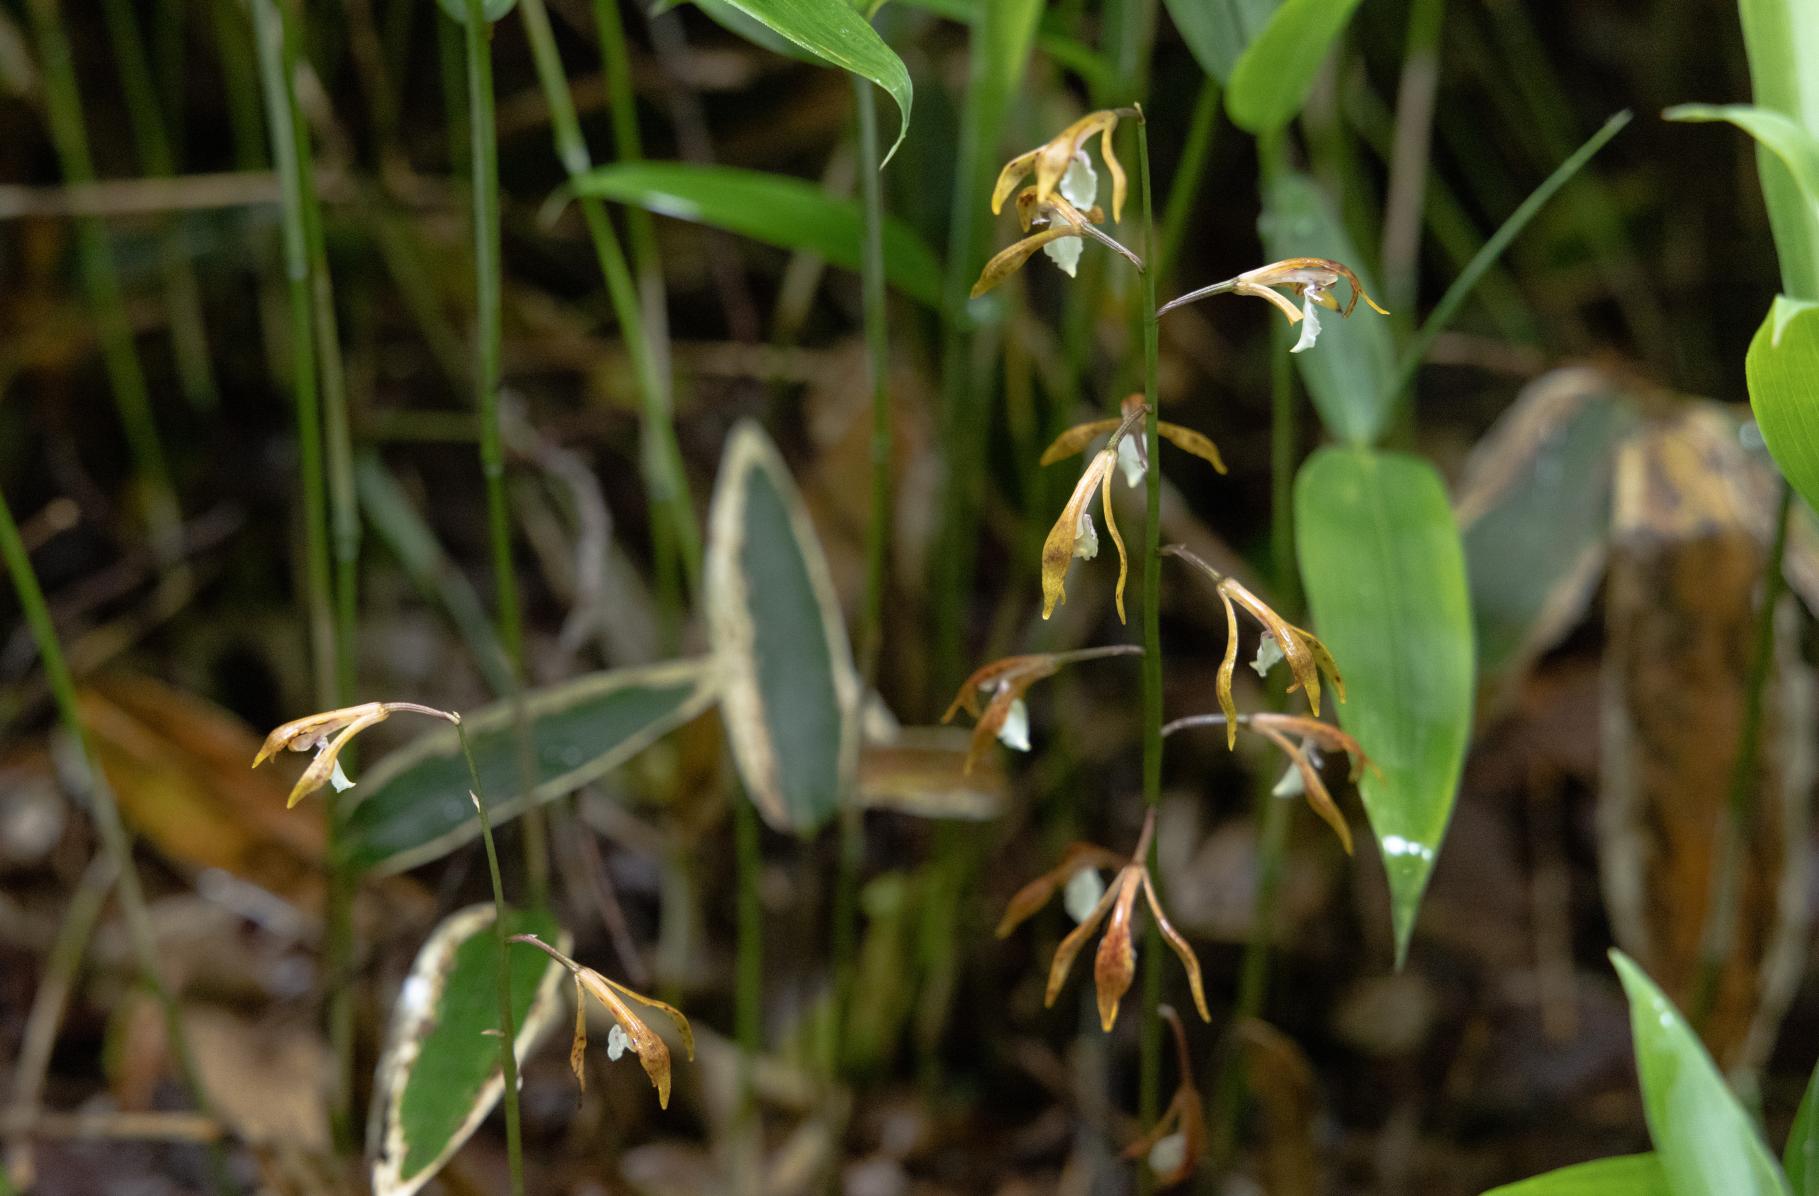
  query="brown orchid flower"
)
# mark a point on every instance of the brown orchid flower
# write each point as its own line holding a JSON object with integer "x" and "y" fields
{"x": 1312, "y": 279}
{"x": 1073, "y": 534}
{"x": 1307, "y": 657}
{"x": 1303, "y": 741}
{"x": 629, "y": 1031}
{"x": 1173, "y": 1147}
{"x": 1133, "y": 450}
{"x": 1115, "y": 963}
{"x": 1055, "y": 218}
{"x": 1052, "y": 162}
{"x": 1006, "y": 717}
{"x": 327, "y": 733}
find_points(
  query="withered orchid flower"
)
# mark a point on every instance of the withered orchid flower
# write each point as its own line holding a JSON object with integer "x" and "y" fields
{"x": 1005, "y": 716}
{"x": 329, "y": 732}
{"x": 1312, "y": 279}
{"x": 1302, "y": 740}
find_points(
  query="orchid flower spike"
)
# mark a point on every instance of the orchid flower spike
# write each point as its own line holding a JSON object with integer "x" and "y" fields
{"x": 1304, "y": 741}
{"x": 630, "y": 1032}
{"x": 1312, "y": 279}
{"x": 1115, "y": 963}
{"x": 1055, "y": 218}
{"x": 1073, "y": 534}
{"x": 329, "y": 732}
{"x": 1005, "y": 716}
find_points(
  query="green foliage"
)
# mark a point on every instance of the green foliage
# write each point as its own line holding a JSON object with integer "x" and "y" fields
{"x": 1782, "y": 38}
{"x": 1385, "y": 576}
{"x": 490, "y": 10}
{"x": 1348, "y": 373}
{"x": 1800, "y": 1157}
{"x": 1707, "y": 1144}
{"x": 773, "y": 208}
{"x": 1625, "y": 1175}
{"x": 790, "y": 693}
{"x": 1782, "y": 369}
{"x": 1219, "y": 31}
{"x": 413, "y": 806}
{"x": 439, "y": 1073}
{"x": 1273, "y": 76}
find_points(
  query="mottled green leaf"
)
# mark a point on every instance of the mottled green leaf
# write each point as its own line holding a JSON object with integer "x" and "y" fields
{"x": 1782, "y": 369}
{"x": 773, "y": 208}
{"x": 1706, "y": 1142}
{"x": 1348, "y": 372}
{"x": 439, "y": 1072}
{"x": 1800, "y": 1157}
{"x": 1219, "y": 31}
{"x": 1385, "y": 576}
{"x": 789, "y": 691}
{"x": 413, "y": 806}
{"x": 1273, "y": 76}
{"x": 1626, "y": 1175}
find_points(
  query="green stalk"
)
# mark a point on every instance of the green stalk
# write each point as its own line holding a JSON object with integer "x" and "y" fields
{"x": 508, "y": 1033}
{"x": 665, "y": 480}
{"x": 1719, "y": 931}
{"x": 1186, "y": 187}
{"x": 1150, "y": 1078}
{"x": 114, "y": 839}
{"x": 119, "y": 357}
{"x": 317, "y": 382}
{"x": 616, "y": 66}
{"x": 483, "y": 159}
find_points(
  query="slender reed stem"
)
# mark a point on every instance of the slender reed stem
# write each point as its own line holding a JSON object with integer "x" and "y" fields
{"x": 115, "y": 841}
{"x": 1150, "y": 1078}
{"x": 508, "y": 1032}
{"x": 1719, "y": 932}
{"x": 95, "y": 255}
{"x": 483, "y": 162}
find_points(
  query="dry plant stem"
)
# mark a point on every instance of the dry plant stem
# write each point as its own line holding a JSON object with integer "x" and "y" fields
{"x": 315, "y": 379}
{"x": 1149, "y": 1092}
{"x": 1720, "y": 929}
{"x": 483, "y": 160}
{"x": 95, "y": 255}
{"x": 115, "y": 843}
{"x": 508, "y": 1032}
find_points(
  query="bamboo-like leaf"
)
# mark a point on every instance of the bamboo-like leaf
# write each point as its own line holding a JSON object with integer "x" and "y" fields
{"x": 1219, "y": 31}
{"x": 439, "y": 1072}
{"x": 1783, "y": 373}
{"x": 773, "y": 208}
{"x": 1782, "y": 40}
{"x": 833, "y": 31}
{"x": 1800, "y": 1157}
{"x": 1385, "y": 575}
{"x": 1707, "y": 1144}
{"x": 1348, "y": 373}
{"x": 413, "y": 806}
{"x": 1272, "y": 78}
{"x": 1625, "y": 1175}
{"x": 789, "y": 688}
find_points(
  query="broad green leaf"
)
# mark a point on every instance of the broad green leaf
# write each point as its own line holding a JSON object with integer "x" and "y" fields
{"x": 439, "y": 1072}
{"x": 1385, "y": 576}
{"x": 1067, "y": 51}
{"x": 1219, "y": 31}
{"x": 1535, "y": 513}
{"x": 1348, "y": 372}
{"x": 413, "y": 806}
{"x": 1273, "y": 76}
{"x": 1782, "y": 39}
{"x": 773, "y": 208}
{"x": 1780, "y": 135}
{"x": 1625, "y": 1175}
{"x": 789, "y": 692}
{"x": 1800, "y": 1157}
{"x": 834, "y": 32}
{"x": 490, "y": 10}
{"x": 1707, "y": 1144}
{"x": 1782, "y": 369}
{"x": 737, "y": 23}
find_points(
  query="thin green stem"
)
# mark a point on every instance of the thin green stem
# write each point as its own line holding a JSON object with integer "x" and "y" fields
{"x": 95, "y": 255}
{"x": 508, "y": 1032}
{"x": 1720, "y": 928}
{"x": 483, "y": 161}
{"x": 115, "y": 841}
{"x": 1186, "y": 187}
{"x": 616, "y": 66}
{"x": 1150, "y": 1078}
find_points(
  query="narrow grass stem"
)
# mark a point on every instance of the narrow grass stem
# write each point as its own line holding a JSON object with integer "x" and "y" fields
{"x": 115, "y": 841}
{"x": 508, "y": 1032}
{"x": 1150, "y": 1076}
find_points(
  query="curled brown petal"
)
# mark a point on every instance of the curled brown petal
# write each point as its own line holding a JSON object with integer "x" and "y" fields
{"x": 1009, "y": 177}
{"x": 1076, "y": 939}
{"x": 1034, "y": 895}
{"x": 1324, "y": 659}
{"x": 1115, "y": 167}
{"x": 1194, "y": 442}
{"x": 1058, "y": 547}
{"x": 967, "y": 698}
{"x": 1313, "y": 788}
{"x": 1227, "y": 666}
{"x": 652, "y": 1051}
{"x": 1291, "y": 639}
{"x": 323, "y": 766}
{"x": 1075, "y": 439}
{"x": 1327, "y": 736}
{"x": 1111, "y": 526}
{"x": 1115, "y": 964}
{"x": 577, "y": 1047}
{"x": 1009, "y": 260}
{"x": 302, "y": 733}
{"x": 1190, "y": 963}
